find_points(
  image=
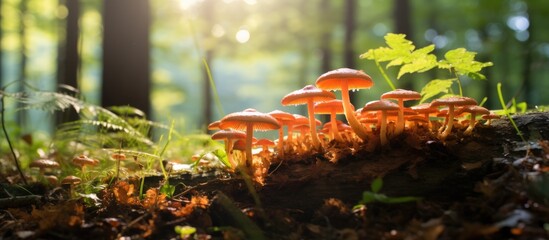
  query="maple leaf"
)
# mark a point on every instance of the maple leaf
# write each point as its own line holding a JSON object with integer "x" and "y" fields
{"x": 401, "y": 52}
{"x": 463, "y": 63}
{"x": 435, "y": 87}
{"x": 124, "y": 193}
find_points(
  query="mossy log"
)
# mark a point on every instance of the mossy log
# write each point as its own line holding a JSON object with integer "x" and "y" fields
{"x": 431, "y": 169}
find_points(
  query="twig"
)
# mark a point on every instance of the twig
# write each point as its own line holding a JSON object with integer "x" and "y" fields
{"x": 9, "y": 142}
{"x": 19, "y": 201}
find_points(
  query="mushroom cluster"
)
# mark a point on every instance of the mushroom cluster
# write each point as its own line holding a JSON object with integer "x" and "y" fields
{"x": 376, "y": 123}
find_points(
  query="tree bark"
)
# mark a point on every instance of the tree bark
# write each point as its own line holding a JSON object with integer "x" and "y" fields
{"x": 68, "y": 56}
{"x": 403, "y": 24}
{"x": 21, "y": 116}
{"x": 207, "y": 114}
{"x": 126, "y": 64}
{"x": 349, "y": 56}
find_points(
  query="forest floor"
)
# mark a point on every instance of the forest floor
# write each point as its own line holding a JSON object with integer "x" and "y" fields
{"x": 491, "y": 185}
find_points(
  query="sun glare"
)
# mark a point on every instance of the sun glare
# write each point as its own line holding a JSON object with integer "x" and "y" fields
{"x": 187, "y": 4}
{"x": 242, "y": 36}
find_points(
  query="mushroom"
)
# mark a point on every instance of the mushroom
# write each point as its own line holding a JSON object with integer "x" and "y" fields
{"x": 265, "y": 144}
{"x": 249, "y": 120}
{"x": 401, "y": 95}
{"x": 228, "y": 136}
{"x": 451, "y": 102}
{"x": 71, "y": 181}
{"x": 309, "y": 95}
{"x": 283, "y": 118}
{"x": 383, "y": 106}
{"x": 214, "y": 125}
{"x": 44, "y": 163}
{"x": 489, "y": 117}
{"x": 331, "y": 107}
{"x": 474, "y": 111}
{"x": 118, "y": 157}
{"x": 84, "y": 160}
{"x": 346, "y": 79}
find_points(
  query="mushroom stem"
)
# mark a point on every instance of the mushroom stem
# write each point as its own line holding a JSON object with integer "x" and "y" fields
{"x": 357, "y": 127}
{"x": 312, "y": 123}
{"x": 383, "y": 129}
{"x": 400, "y": 122}
{"x": 449, "y": 122}
{"x": 249, "y": 137}
{"x": 228, "y": 149}
{"x": 335, "y": 133}
{"x": 472, "y": 122}
{"x": 280, "y": 144}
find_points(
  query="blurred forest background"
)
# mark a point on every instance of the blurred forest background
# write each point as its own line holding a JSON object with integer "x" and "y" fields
{"x": 150, "y": 54}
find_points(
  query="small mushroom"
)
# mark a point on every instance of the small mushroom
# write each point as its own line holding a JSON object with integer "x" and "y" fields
{"x": 265, "y": 144}
{"x": 346, "y": 79}
{"x": 228, "y": 136}
{"x": 118, "y": 157}
{"x": 283, "y": 118}
{"x": 71, "y": 181}
{"x": 84, "y": 160}
{"x": 249, "y": 120}
{"x": 383, "y": 106}
{"x": 331, "y": 107}
{"x": 474, "y": 111}
{"x": 451, "y": 102}
{"x": 43, "y": 164}
{"x": 401, "y": 95}
{"x": 308, "y": 95}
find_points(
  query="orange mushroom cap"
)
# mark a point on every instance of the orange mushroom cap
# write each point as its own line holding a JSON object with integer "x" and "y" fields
{"x": 83, "y": 160}
{"x": 403, "y": 94}
{"x": 303, "y": 95}
{"x": 71, "y": 180}
{"x": 228, "y": 134}
{"x": 238, "y": 120}
{"x": 346, "y": 79}
{"x": 355, "y": 79}
{"x": 44, "y": 163}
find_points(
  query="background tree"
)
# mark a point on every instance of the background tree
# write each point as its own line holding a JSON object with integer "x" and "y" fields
{"x": 68, "y": 55}
{"x": 126, "y": 60}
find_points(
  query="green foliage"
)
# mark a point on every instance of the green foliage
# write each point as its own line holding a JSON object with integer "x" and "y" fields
{"x": 185, "y": 231}
{"x": 402, "y": 52}
{"x": 374, "y": 196}
{"x": 167, "y": 189}
{"x": 436, "y": 87}
{"x": 508, "y": 113}
{"x": 222, "y": 156}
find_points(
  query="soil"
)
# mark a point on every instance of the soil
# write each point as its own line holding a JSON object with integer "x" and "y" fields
{"x": 491, "y": 185}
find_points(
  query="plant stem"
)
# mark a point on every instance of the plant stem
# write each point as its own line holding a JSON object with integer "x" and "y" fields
{"x": 9, "y": 142}
{"x": 500, "y": 95}
{"x": 459, "y": 84}
{"x": 384, "y": 74}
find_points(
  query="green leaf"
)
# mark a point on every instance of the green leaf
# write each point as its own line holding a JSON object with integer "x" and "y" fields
{"x": 222, "y": 156}
{"x": 435, "y": 87}
{"x": 377, "y": 184}
{"x": 420, "y": 63}
{"x": 185, "y": 231}
{"x": 368, "y": 197}
{"x": 399, "y": 47}
{"x": 400, "y": 199}
{"x": 167, "y": 189}
{"x": 463, "y": 63}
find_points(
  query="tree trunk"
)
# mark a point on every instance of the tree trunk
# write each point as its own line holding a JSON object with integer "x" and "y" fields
{"x": 349, "y": 56}
{"x": 1, "y": 49}
{"x": 68, "y": 56}
{"x": 207, "y": 15}
{"x": 126, "y": 64}
{"x": 21, "y": 117}
{"x": 325, "y": 44}
{"x": 403, "y": 20}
